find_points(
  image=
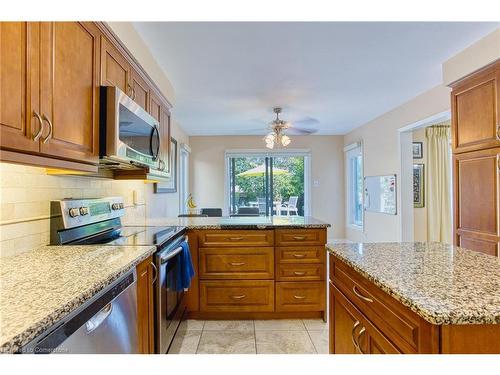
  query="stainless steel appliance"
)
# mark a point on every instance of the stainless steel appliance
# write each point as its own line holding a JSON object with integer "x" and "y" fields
{"x": 97, "y": 221}
{"x": 129, "y": 136}
{"x": 105, "y": 324}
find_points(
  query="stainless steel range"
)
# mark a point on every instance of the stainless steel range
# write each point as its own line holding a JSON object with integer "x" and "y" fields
{"x": 97, "y": 221}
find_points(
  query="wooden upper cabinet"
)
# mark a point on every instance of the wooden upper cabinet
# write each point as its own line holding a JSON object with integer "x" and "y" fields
{"x": 69, "y": 90}
{"x": 115, "y": 69}
{"x": 475, "y": 105}
{"x": 476, "y": 181}
{"x": 140, "y": 90}
{"x": 18, "y": 67}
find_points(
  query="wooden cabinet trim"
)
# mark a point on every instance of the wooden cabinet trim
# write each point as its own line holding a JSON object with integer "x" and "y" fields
{"x": 145, "y": 306}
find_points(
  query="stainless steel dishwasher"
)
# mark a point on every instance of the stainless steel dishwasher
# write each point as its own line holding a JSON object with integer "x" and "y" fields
{"x": 105, "y": 324}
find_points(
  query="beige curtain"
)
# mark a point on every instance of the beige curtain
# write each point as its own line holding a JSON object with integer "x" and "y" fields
{"x": 438, "y": 184}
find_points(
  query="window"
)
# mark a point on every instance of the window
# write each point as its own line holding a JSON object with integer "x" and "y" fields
{"x": 267, "y": 184}
{"x": 354, "y": 178}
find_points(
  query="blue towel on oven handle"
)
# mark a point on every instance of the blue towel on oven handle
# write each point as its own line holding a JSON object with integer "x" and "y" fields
{"x": 186, "y": 269}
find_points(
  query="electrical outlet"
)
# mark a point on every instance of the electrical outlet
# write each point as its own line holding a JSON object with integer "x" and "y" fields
{"x": 316, "y": 183}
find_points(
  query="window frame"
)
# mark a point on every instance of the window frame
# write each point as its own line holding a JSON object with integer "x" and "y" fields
{"x": 351, "y": 152}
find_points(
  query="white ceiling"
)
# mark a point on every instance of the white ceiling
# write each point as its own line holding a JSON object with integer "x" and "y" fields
{"x": 228, "y": 76}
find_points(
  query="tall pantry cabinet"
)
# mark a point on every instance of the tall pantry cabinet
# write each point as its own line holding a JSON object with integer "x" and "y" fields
{"x": 475, "y": 104}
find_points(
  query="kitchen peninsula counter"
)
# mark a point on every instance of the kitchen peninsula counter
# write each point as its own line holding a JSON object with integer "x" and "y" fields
{"x": 422, "y": 297}
{"x": 40, "y": 287}
{"x": 242, "y": 222}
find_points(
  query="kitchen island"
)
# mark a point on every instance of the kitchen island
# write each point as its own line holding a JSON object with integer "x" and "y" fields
{"x": 256, "y": 267}
{"x": 413, "y": 298}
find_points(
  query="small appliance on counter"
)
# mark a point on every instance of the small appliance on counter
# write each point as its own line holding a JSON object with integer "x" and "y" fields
{"x": 97, "y": 221}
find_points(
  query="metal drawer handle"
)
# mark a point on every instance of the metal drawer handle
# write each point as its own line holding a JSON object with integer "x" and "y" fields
{"x": 498, "y": 133}
{"x": 299, "y": 255}
{"x": 237, "y": 263}
{"x": 238, "y": 297}
{"x": 354, "y": 342}
{"x": 299, "y": 273}
{"x": 299, "y": 297}
{"x": 361, "y": 333}
{"x": 299, "y": 238}
{"x": 37, "y": 136}
{"x": 356, "y": 292}
{"x": 235, "y": 238}
{"x": 45, "y": 118}
{"x": 156, "y": 272}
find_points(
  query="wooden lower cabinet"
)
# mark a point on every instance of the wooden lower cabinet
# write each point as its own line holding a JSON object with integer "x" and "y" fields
{"x": 365, "y": 319}
{"x": 242, "y": 274}
{"x": 145, "y": 306}
{"x": 351, "y": 332}
{"x": 237, "y": 296}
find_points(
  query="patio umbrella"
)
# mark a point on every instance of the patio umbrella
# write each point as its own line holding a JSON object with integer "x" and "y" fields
{"x": 261, "y": 171}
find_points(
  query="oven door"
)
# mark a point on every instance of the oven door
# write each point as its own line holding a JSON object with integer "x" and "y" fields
{"x": 169, "y": 304}
{"x": 132, "y": 134}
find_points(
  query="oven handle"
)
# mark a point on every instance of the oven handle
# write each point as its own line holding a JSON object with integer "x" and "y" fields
{"x": 170, "y": 255}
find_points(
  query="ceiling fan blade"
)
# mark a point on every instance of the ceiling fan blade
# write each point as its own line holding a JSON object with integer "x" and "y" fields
{"x": 306, "y": 121}
{"x": 301, "y": 131}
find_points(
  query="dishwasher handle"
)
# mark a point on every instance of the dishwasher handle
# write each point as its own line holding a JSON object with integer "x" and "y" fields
{"x": 99, "y": 318}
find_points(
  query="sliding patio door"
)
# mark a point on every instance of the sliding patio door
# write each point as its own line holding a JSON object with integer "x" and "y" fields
{"x": 266, "y": 185}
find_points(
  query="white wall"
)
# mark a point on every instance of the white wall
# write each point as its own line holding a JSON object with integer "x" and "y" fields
{"x": 381, "y": 149}
{"x": 478, "y": 55}
{"x": 327, "y": 164}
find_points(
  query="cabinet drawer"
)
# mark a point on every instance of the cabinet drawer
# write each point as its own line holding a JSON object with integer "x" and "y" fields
{"x": 218, "y": 238}
{"x": 237, "y": 296}
{"x": 398, "y": 323}
{"x": 300, "y": 237}
{"x": 297, "y": 272}
{"x": 236, "y": 263}
{"x": 300, "y": 296}
{"x": 300, "y": 254}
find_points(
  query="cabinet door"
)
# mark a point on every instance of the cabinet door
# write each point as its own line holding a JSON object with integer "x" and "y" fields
{"x": 140, "y": 90}
{"x": 352, "y": 331}
{"x": 476, "y": 200}
{"x": 69, "y": 90}
{"x": 114, "y": 68}
{"x": 145, "y": 318}
{"x": 475, "y": 104}
{"x": 19, "y": 86}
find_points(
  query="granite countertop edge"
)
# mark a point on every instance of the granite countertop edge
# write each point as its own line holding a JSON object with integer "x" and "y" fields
{"x": 256, "y": 226}
{"x": 15, "y": 343}
{"x": 429, "y": 316}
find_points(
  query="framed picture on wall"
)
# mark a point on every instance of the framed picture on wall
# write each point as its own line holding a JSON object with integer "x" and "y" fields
{"x": 171, "y": 185}
{"x": 418, "y": 186}
{"x": 417, "y": 150}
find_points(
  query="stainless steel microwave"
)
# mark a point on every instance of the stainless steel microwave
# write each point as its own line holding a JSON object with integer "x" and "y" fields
{"x": 129, "y": 136}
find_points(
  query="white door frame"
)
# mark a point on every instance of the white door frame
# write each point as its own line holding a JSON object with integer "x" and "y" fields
{"x": 306, "y": 153}
{"x": 405, "y": 191}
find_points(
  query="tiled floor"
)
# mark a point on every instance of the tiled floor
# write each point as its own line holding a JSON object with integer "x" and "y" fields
{"x": 306, "y": 336}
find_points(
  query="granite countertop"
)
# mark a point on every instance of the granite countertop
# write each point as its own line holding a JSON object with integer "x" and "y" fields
{"x": 39, "y": 287}
{"x": 243, "y": 222}
{"x": 442, "y": 283}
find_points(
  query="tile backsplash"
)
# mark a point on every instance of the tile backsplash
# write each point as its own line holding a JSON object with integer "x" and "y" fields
{"x": 25, "y": 193}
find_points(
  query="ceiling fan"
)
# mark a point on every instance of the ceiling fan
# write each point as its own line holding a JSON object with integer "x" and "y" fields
{"x": 277, "y": 136}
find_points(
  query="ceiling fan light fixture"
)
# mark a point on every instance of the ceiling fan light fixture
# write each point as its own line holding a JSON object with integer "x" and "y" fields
{"x": 285, "y": 140}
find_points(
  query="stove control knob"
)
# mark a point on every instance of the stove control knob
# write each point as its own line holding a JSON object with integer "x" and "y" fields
{"x": 121, "y": 206}
{"x": 84, "y": 211}
{"x": 73, "y": 212}
{"x": 115, "y": 206}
